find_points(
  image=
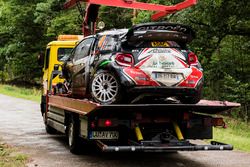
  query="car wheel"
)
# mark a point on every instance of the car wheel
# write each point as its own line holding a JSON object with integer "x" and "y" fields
{"x": 73, "y": 135}
{"x": 105, "y": 88}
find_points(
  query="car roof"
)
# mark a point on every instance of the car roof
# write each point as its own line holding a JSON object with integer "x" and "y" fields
{"x": 114, "y": 32}
{"x": 63, "y": 43}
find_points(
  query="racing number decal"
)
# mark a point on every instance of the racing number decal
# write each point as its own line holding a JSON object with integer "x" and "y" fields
{"x": 159, "y": 44}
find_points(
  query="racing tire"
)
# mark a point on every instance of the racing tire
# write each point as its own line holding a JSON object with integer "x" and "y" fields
{"x": 105, "y": 88}
{"x": 191, "y": 99}
{"x": 74, "y": 139}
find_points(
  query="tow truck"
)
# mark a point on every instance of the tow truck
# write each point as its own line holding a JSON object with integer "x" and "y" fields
{"x": 163, "y": 127}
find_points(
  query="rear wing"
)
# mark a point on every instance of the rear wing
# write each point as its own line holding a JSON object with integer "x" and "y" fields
{"x": 160, "y": 31}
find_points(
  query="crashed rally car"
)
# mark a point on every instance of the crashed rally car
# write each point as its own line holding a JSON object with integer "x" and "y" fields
{"x": 146, "y": 63}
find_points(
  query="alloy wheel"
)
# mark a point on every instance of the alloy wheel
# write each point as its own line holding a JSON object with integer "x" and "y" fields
{"x": 104, "y": 87}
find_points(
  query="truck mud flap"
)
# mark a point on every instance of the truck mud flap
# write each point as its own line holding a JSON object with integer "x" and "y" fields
{"x": 161, "y": 148}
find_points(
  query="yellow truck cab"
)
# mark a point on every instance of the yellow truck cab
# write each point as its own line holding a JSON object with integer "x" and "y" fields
{"x": 56, "y": 53}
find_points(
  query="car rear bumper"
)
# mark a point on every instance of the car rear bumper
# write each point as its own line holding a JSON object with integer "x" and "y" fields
{"x": 160, "y": 90}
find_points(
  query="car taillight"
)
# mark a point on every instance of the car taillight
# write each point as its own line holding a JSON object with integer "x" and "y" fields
{"x": 192, "y": 59}
{"x": 124, "y": 59}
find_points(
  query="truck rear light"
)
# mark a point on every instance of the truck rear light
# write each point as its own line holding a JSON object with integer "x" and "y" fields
{"x": 124, "y": 59}
{"x": 92, "y": 125}
{"x": 186, "y": 116}
{"x": 107, "y": 122}
{"x": 192, "y": 59}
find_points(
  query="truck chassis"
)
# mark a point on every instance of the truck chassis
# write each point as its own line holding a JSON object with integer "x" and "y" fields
{"x": 141, "y": 127}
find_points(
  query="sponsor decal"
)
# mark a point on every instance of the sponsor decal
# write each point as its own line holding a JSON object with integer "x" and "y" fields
{"x": 135, "y": 50}
{"x": 139, "y": 77}
{"x": 163, "y": 27}
{"x": 162, "y": 64}
{"x": 160, "y": 50}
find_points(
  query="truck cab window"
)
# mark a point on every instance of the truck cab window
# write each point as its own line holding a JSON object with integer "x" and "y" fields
{"x": 63, "y": 54}
{"x": 47, "y": 56}
{"x": 82, "y": 50}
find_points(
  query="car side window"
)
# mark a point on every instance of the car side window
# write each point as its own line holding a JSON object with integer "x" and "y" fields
{"x": 83, "y": 49}
{"x": 107, "y": 43}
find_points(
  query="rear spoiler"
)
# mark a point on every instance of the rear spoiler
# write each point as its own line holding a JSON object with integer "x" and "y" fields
{"x": 160, "y": 31}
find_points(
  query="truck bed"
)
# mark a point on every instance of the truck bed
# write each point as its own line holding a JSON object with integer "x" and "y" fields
{"x": 88, "y": 107}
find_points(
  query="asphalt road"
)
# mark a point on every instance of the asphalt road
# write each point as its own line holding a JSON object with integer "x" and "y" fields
{"x": 21, "y": 126}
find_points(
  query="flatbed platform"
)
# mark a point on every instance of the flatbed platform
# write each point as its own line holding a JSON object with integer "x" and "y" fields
{"x": 88, "y": 107}
{"x": 140, "y": 127}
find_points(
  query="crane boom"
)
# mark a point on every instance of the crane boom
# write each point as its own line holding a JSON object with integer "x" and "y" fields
{"x": 93, "y": 7}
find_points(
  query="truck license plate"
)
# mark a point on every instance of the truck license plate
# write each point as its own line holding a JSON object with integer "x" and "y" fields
{"x": 104, "y": 135}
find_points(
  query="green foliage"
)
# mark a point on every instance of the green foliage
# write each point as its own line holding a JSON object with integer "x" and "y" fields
{"x": 25, "y": 29}
{"x": 236, "y": 133}
{"x": 115, "y": 17}
{"x": 9, "y": 157}
{"x": 19, "y": 92}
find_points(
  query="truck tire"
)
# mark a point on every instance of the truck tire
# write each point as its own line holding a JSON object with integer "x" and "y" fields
{"x": 105, "y": 88}
{"x": 43, "y": 104}
{"x": 73, "y": 130}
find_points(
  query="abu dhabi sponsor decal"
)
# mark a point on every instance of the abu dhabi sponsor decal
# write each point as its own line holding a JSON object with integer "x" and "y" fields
{"x": 161, "y": 64}
{"x": 160, "y": 61}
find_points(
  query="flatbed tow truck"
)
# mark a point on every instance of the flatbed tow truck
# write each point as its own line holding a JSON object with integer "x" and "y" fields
{"x": 164, "y": 127}
{"x": 137, "y": 127}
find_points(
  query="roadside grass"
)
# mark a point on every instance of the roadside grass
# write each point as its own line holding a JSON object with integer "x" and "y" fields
{"x": 9, "y": 157}
{"x": 237, "y": 133}
{"x": 25, "y": 93}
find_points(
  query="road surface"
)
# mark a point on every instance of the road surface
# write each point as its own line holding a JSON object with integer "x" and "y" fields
{"x": 21, "y": 126}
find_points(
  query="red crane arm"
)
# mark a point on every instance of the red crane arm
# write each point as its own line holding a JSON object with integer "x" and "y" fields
{"x": 93, "y": 7}
{"x": 133, "y": 4}
{"x": 177, "y": 7}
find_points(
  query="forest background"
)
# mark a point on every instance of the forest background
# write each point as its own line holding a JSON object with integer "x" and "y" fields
{"x": 222, "y": 40}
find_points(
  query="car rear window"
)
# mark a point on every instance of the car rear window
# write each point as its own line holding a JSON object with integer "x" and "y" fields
{"x": 107, "y": 43}
{"x": 159, "y": 44}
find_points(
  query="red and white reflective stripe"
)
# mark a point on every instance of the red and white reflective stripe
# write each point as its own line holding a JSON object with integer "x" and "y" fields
{"x": 133, "y": 73}
{"x": 182, "y": 62}
{"x": 143, "y": 61}
{"x": 195, "y": 77}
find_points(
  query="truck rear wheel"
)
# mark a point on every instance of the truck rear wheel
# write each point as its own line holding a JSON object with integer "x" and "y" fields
{"x": 73, "y": 135}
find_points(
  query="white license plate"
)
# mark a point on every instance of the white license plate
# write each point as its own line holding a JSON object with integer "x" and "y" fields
{"x": 167, "y": 76}
{"x": 104, "y": 135}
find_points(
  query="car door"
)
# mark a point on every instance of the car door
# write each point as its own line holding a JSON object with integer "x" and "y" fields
{"x": 80, "y": 63}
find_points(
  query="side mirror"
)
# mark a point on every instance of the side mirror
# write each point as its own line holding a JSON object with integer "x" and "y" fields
{"x": 40, "y": 59}
{"x": 69, "y": 65}
{"x": 56, "y": 67}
